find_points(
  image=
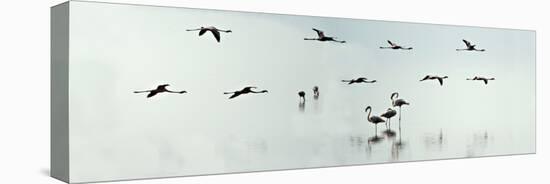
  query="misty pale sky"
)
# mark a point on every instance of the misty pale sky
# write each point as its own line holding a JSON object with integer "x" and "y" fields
{"x": 117, "y": 49}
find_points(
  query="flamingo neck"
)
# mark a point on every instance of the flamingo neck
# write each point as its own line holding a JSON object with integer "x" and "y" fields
{"x": 368, "y": 114}
{"x": 393, "y": 97}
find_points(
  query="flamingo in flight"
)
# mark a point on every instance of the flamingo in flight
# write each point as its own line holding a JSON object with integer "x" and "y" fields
{"x": 388, "y": 115}
{"x": 315, "y": 92}
{"x": 243, "y": 91}
{"x": 395, "y": 46}
{"x": 215, "y": 31}
{"x": 435, "y": 77}
{"x": 470, "y": 47}
{"x": 373, "y": 119}
{"x": 302, "y": 96}
{"x": 321, "y": 37}
{"x": 484, "y": 79}
{"x": 359, "y": 80}
{"x": 159, "y": 89}
{"x": 398, "y": 102}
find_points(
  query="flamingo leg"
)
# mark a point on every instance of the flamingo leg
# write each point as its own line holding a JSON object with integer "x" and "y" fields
{"x": 399, "y": 114}
{"x": 399, "y": 123}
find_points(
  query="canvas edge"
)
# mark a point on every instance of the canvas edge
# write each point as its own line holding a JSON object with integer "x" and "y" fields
{"x": 59, "y": 91}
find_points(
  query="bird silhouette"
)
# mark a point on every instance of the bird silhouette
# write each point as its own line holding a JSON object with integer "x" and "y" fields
{"x": 397, "y": 102}
{"x": 215, "y": 31}
{"x": 243, "y": 91}
{"x": 373, "y": 119}
{"x": 388, "y": 115}
{"x": 302, "y": 96}
{"x": 470, "y": 47}
{"x": 434, "y": 77}
{"x": 395, "y": 46}
{"x": 321, "y": 37}
{"x": 159, "y": 89}
{"x": 315, "y": 92}
{"x": 484, "y": 79}
{"x": 359, "y": 80}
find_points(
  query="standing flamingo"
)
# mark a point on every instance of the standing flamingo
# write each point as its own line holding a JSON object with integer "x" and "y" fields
{"x": 359, "y": 80}
{"x": 321, "y": 37}
{"x": 388, "y": 115}
{"x": 215, "y": 31}
{"x": 373, "y": 119}
{"x": 469, "y": 47}
{"x": 397, "y": 102}
{"x": 434, "y": 77}
{"x": 159, "y": 89}
{"x": 395, "y": 46}
{"x": 484, "y": 79}
{"x": 315, "y": 92}
{"x": 243, "y": 91}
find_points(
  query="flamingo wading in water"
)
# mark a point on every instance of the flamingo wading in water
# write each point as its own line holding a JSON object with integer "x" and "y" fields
{"x": 215, "y": 31}
{"x": 302, "y": 96}
{"x": 398, "y": 102}
{"x": 359, "y": 80}
{"x": 388, "y": 115}
{"x": 434, "y": 77}
{"x": 315, "y": 92}
{"x": 373, "y": 119}
{"x": 484, "y": 79}
{"x": 243, "y": 91}
{"x": 159, "y": 89}
{"x": 396, "y": 47}
{"x": 470, "y": 47}
{"x": 321, "y": 37}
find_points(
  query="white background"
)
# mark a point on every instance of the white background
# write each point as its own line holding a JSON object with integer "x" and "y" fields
{"x": 24, "y": 74}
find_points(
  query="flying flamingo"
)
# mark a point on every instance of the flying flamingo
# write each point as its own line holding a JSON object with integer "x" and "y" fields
{"x": 373, "y": 119}
{"x": 398, "y": 102}
{"x": 434, "y": 77}
{"x": 302, "y": 96}
{"x": 359, "y": 80}
{"x": 484, "y": 79}
{"x": 470, "y": 47}
{"x": 321, "y": 37}
{"x": 315, "y": 92}
{"x": 388, "y": 115}
{"x": 159, "y": 89}
{"x": 395, "y": 46}
{"x": 215, "y": 31}
{"x": 243, "y": 91}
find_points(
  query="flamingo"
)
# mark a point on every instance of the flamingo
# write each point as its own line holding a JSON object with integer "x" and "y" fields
{"x": 373, "y": 119}
{"x": 215, "y": 31}
{"x": 434, "y": 77}
{"x": 388, "y": 115}
{"x": 484, "y": 79}
{"x": 302, "y": 96}
{"x": 159, "y": 89}
{"x": 243, "y": 91}
{"x": 470, "y": 47}
{"x": 395, "y": 46}
{"x": 321, "y": 37}
{"x": 359, "y": 80}
{"x": 315, "y": 92}
{"x": 397, "y": 102}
